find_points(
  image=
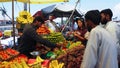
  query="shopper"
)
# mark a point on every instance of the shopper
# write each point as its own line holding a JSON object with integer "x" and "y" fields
{"x": 100, "y": 51}
{"x": 111, "y": 26}
{"x": 81, "y": 31}
{"x": 30, "y": 38}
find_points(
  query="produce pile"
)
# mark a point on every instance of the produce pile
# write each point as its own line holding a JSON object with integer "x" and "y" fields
{"x": 55, "y": 37}
{"x": 6, "y": 64}
{"x": 73, "y": 57}
{"x": 31, "y": 63}
{"x": 10, "y": 58}
{"x": 43, "y": 30}
{"x": 8, "y": 54}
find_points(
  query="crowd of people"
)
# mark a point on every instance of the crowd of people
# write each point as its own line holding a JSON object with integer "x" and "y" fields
{"x": 102, "y": 43}
{"x": 101, "y": 49}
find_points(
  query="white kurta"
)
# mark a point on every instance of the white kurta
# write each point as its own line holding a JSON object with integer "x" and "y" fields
{"x": 114, "y": 30}
{"x": 101, "y": 51}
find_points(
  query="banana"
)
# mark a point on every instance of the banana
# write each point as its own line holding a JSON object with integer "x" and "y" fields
{"x": 39, "y": 60}
{"x": 61, "y": 65}
{"x": 13, "y": 65}
{"x": 54, "y": 64}
{"x": 24, "y": 64}
{"x": 18, "y": 65}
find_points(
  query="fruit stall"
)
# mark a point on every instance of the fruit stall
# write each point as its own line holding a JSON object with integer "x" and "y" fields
{"x": 69, "y": 55}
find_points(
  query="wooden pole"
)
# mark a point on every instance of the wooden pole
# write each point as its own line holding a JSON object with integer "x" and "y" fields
{"x": 25, "y": 6}
{"x": 14, "y": 45}
{"x": 29, "y": 6}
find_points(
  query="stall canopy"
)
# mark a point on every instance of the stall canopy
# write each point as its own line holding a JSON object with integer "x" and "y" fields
{"x": 5, "y": 0}
{"x": 41, "y": 1}
{"x": 59, "y": 10}
{"x": 36, "y": 1}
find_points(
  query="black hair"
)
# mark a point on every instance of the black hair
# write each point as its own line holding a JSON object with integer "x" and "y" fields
{"x": 38, "y": 18}
{"x": 81, "y": 19}
{"x": 94, "y": 16}
{"x": 107, "y": 11}
{"x": 78, "y": 18}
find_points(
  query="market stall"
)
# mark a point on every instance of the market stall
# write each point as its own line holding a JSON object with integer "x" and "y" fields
{"x": 57, "y": 58}
{"x": 63, "y": 57}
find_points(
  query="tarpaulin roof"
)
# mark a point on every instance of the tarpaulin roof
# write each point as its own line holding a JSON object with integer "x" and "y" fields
{"x": 60, "y": 10}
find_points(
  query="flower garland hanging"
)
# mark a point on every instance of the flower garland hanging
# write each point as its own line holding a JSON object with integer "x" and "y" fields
{"x": 24, "y": 18}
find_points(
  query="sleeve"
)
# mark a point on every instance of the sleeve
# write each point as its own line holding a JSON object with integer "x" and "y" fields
{"x": 91, "y": 51}
{"x": 39, "y": 39}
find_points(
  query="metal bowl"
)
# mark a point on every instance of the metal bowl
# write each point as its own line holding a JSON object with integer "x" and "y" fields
{"x": 35, "y": 53}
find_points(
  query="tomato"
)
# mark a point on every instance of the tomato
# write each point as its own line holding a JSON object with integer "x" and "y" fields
{"x": 1, "y": 34}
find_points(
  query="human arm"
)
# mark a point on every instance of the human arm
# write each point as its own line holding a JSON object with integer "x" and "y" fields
{"x": 79, "y": 36}
{"x": 39, "y": 39}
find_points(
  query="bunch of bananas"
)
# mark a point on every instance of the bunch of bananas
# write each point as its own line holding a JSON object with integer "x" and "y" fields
{"x": 6, "y": 64}
{"x": 55, "y": 64}
{"x": 24, "y": 17}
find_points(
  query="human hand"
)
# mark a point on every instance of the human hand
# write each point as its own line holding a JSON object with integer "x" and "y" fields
{"x": 75, "y": 34}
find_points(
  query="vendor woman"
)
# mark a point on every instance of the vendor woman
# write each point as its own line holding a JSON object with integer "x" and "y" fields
{"x": 30, "y": 38}
{"x": 81, "y": 31}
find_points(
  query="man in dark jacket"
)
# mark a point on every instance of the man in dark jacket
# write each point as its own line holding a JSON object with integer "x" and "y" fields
{"x": 30, "y": 38}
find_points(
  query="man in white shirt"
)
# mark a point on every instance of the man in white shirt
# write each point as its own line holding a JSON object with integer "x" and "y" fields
{"x": 100, "y": 51}
{"x": 110, "y": 26}
{"x": 106, "y": 19}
